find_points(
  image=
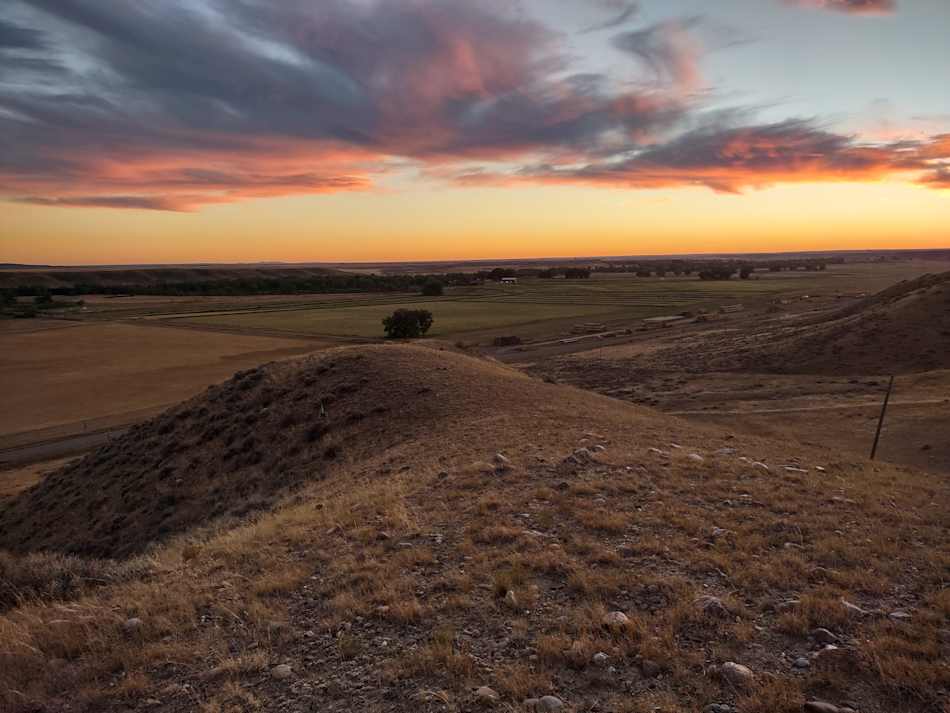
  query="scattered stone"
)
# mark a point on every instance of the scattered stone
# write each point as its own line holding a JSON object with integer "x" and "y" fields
{"x": 787, "y": 605}
{"x": 819, "y": 468}
{"x": 550, "y": 703}
{"x": 900, "y": 615}
{"x": 501, "y": 459}
{"x": 132, "y": 625}
{"x": 793, "y": 469}
{"x": 717, "y": 532}
{"x": 824, "y": 637}
{"x": 713, "y": 607}
{"x": 738, "y": 675}
{"x": 511, "y": 599}
{"x": 486, "y": 695}
{"x": 616, "y": 618}
{"x": 801, "y": 662}
{"x": 281, "y": 671}
{"x": 696, "y": 458}
{"x": 600, "y": 659}
{"x": 718, "y": 708}
{"x": 820, "y": 707}
{"x": 726, "y": 452}
{"x": 151, "y": 702}
{"x": 854, "y": 608}
{"x": 761, "y": 466}
{"x": 598, "y": 448}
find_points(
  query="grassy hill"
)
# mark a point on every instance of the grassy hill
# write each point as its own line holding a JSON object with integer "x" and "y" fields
{"x": 444, "y": 524}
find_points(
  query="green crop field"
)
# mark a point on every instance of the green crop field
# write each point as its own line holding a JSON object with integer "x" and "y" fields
{"x": 549, "y": 306}
{"x": 451, "y": 317}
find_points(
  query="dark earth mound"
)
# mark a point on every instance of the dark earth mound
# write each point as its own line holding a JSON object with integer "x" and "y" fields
{"x": 233, "y": 450}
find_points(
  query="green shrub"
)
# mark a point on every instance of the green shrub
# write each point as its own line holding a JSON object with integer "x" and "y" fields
{"x": 407, "y": 323}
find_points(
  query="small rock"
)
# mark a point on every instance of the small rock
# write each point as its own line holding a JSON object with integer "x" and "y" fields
{"x": 726, "y": 451}
{"x": 501, "y": 459}
{"x": 854, "y": 608}
{"x": 151, "y": 702}
{"x": 281, "y": 671}
{"x": 616, "y": 618}
{"x": 820, "y": 707}
{"x": 900, "y": 615}
{"x": 760, "y": 466}
{"x": 486, "y": 695}
{"x": 823, "y": 636}
{"x": 801, "y": 662}
{"x": 718, "y": 708}
{"x": 718, "y": 532}
{"x": 738, "y": 675}
{"x": 550, "y": 703}
{"x": 598, "y": 448}
{"x": 511, "y": 599}
{"x": 696, "y": 458}
{"x": 132, "y": 625}
{"x": 713, "y": 607}
{"x": 600, "y": 659}
{"x": 650, "y": 668}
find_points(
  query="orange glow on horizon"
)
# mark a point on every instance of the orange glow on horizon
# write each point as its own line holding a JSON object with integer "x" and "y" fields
{"x": 415, "y": 224}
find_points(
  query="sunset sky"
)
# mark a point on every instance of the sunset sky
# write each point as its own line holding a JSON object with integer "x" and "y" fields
{"x": 367, "y": 130}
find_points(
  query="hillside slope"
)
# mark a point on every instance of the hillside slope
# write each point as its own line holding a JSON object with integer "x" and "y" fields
{"x": 903, "y": 329}
{"x": 453, "y": 524}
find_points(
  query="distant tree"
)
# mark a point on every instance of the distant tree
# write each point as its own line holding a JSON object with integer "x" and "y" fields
{"x": 577, "y": 273}
{"x": 717, "y": 272}
{"x": 643, "y": 273}
{"x": 42, "y": 300}
{"x": 407, "y": 323}
{"x": 745, "y": 271}
{"x": 433, "y": 288}
{"x": 547, "y": 274}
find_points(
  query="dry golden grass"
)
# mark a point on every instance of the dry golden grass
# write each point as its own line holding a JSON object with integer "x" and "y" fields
{"x": 388, "y": 547}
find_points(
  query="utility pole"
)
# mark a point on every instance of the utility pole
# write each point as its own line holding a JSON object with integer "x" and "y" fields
{"x": 880, "y": 421}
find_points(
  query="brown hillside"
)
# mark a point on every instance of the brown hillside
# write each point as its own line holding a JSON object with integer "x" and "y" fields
{"x": 455, "y": 524}
{"x": 903, "y": 329}
{"x": 241, "y": 445}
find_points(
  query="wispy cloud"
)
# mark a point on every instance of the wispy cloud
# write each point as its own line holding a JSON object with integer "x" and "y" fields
{"x": 855, "y": 7}
{"x": 172, "y": 106}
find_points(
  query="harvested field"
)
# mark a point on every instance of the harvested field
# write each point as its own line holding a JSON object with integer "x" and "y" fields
{"x": 51, "y": 377}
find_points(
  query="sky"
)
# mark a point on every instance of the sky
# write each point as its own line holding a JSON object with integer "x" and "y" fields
{"x": 369, "y": 130}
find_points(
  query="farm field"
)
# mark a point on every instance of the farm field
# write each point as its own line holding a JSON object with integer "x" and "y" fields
{"x": 452, "y": 317}
{"x": 541, "y": 307}
{"x": 86, "y": 372}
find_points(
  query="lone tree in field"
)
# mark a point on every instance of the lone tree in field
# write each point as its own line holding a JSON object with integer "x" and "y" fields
{"x": 745, "y": 271}
{"x": 407, "y": 323}
{"x": 433, "y": 288}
